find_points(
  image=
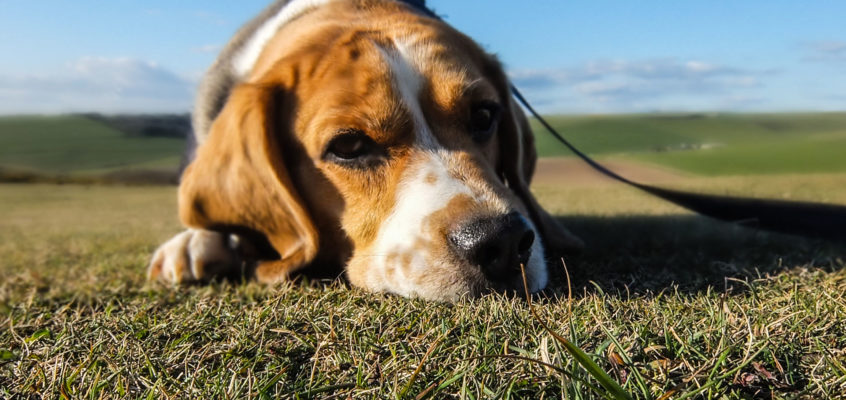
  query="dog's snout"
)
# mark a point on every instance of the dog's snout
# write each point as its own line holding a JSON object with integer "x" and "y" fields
{"x": 497, "y": 245}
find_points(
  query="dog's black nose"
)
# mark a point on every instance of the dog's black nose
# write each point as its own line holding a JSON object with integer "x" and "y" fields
{"x": 497, "y": 245}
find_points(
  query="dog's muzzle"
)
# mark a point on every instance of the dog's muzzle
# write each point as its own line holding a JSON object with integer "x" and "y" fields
{"x": 498, "y": 245}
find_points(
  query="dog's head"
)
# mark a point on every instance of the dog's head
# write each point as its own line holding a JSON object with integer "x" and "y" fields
{"x": 383, "y": 140}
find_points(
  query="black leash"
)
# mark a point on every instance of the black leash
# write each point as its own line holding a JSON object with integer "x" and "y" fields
{"x": 818, "y": 220}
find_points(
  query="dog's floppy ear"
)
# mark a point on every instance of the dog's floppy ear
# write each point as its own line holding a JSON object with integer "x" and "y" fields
{"x": 239, "y": 180}
{"x": 518, "y": 157}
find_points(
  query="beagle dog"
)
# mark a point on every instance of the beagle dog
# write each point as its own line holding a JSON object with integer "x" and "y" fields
{"x": 365, "y": 137}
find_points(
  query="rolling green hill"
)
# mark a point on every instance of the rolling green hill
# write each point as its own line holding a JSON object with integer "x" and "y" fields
{"x": 81, "y": 146}
{"x": 718, "y": 144}
{"x": 711, "y": 144}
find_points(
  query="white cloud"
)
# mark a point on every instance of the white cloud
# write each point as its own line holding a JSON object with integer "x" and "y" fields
{"x": 832, "y": 51}
{"x": 645, "y": 85}
{"x": 208, "y": 48}
{"x": 97, "y": 84}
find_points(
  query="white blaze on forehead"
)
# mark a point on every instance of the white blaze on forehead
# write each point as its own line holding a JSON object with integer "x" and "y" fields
{"x": 247, "y": 56}
{"x": 406, "y": 63}
{"x": 425, "y": 189}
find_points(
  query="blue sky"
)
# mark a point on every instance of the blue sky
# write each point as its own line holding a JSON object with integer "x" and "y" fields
{"x": 568, "y": 56}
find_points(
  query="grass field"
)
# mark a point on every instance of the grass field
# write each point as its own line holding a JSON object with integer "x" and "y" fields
{"x": 719, "y": 144}
{"x": 666, "y": 302}
{"x": 77, "y": 146}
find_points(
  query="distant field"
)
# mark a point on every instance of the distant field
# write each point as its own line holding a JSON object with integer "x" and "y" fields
{"x": 81, "y": 146}
{"x": 718, "y": 144}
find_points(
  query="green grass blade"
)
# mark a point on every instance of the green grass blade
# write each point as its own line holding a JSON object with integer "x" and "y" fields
{"x": 581, "y": 357}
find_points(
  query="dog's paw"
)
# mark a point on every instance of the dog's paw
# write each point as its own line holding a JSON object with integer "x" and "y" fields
{"x": 195, "y": 255}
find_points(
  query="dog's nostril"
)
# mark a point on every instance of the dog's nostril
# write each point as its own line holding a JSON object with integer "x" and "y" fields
{"x": 525, "y": 244}
{"x": 487, "y": 255}
{"x": 497, "y": 245}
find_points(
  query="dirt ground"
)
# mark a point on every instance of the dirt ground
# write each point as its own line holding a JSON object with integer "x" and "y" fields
{"x": 551, "y": 171}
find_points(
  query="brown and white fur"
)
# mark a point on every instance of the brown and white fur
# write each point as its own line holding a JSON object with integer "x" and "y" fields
{"x": 348, "y": 134}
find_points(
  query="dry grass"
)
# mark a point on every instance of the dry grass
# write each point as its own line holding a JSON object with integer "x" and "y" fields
{"x": 666, "y": 302}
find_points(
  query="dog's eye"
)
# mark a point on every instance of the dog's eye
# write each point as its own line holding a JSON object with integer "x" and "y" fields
{"x": 483, "y": 121}
{"x": 352, "y": 148}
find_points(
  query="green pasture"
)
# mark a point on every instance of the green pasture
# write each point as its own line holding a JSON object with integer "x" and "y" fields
{"x": 709, "y": 144}
{"x": 814, "y": 153}
{"x": 74, "y": 145}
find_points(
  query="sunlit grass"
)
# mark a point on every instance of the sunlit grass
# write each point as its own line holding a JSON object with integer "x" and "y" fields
{"x": 665, "y": 303}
